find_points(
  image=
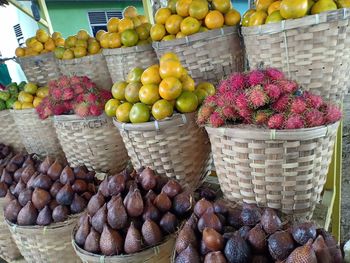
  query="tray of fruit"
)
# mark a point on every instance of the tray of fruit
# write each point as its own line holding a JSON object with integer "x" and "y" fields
{"x": 283, "y": 33}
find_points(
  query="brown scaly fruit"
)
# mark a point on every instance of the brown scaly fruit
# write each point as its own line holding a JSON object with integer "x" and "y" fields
{"x": 203, "y": 206}
{"x": 18, "y": 174}
{"x": 78, "y": 204}
{"x": 302, "y": 232}
{"x": 55, "y": 188}
{"x": 183, "y": 203}
{"x": 117, "y": 217}
{"x": 80, "y": 186}
{"x": 168, "y": 223}
{"x": 135, "y": 205}
{"x": 185, "y": 238}
{"x": 280, "y": 244}
{"x": 150, "y": 212}
{"x": 257, "y": 238}
{"x": 209, "y": 220}
{"x": 162, "y": 202}
{"x": 111, "y": 242}
{"x": 11, "y": 167}
{"x": 220, "y": 207}
{"x": 20, "y": 187}
{"x": 270, "y": 221}
{"x": 237, "y": 250}
{"x": 147, "y": 179}
{"x": 116, "y": 184}
{"x": 11, "y": 210}
{"x": 82, "y": 232}
{"x": 103, "y": 188}
{"x": 302, "y": 254}
{"x": 92, "y": 243}
{"x": 212, "y": 239}
{"x": 215, "y": 257}
{"x": 332, "y": 245}
{"x": 100, "y": 219}
{"x": 60, "y": 213}
{"x": 28, "y": 161}
{"x": 95, "y": 203}
{"x": 28, "y": 215}
{"x": 172, "y": 188}
{"x": 40, "y": 198}
{"x": 133, "y": 240}
{"x": 45, "y": 165}
{"x": 67, "y": 176}
{"x": 3, "y": 189}
{"x": 189, "y": 254}
{"x": 30, "y": 184}
{"x": 6, "y": 177}
{"x": 151, "y": 233}
{"x": 321, "y": 250}
{"x": 55, "y": 170}
{"x": 42, "y": 181}
{"x": 65, "y": 195}
{"x": 18, "y": 159}
{"x": 27, "y": 173}
{"x": 44, "y": 217}
{"x": 250, "y": 214}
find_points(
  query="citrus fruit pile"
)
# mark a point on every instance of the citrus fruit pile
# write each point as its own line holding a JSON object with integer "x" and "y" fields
{"x": 133, "y": 29}
{"x": 30, "y": 97}
{"x": 186, "y": 17}
{"x": 41, "y": 43}
{"x": 272, "y": 11}
{"x": 156, "y": 92}
{"x": 9, "y": 95}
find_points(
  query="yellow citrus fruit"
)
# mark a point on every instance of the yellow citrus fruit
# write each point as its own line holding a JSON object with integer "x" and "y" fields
{"x": 263, "y": 5}
{"x": 134, "y": 75}
{"x": 151, "y": 75}
{"x": 162, "y": 15}
{"x": 104, "y": 40}
{"x": 99, "y": 34}
{"x": 118, "y": 90}
{"x": 214, "y": 19}
{"x": 129, "y": 37}
{"x": 124, "y": 24}
{"x": 79, "y": 52}
{"x": 172, "y": 24}
{"x": 37, "y": 101}
{"x": 59, "y": 42}
{"x": 130, "y": 12}
{"x": 157, "y": 32}
{"x": 203, "y": 29}
{"x": 291, "y": 9}
{"x": 25, "y": 97}
{"x": 170, "y": 68}
{"x": 198, "y": 9}
{"x": 187, "y": 102}
{"x": 20, "y": 52}
{"x": 83, "y": 35}
{"x": 169, "y": 56}
{"x": 42, "y": 92}
{"x": 275, "y": 17}
{"x": 111, "y": 107}
{"x": 70, "y": 41}
{"x": 257, "y": 18}
{"x": 27, "y": 105}
{"x": 30, "y": 40}
{"x": 188, "y": 84}
{"x": 94, "y": 48}
{"x": 190, "y": 26}
{"x": 180, "y": 35}
{"x": 91, "y": 40}
{"x": 132, "y": 92}
{"x": 222, "y": 6}
{"x": 139, "y": 113}
{"x": 143, "y": 32}
{"x": 246, "y": 16}
{"x": 112, "y": 25}
{"x": 30, "y": 88}
{"x": 143, "y": 19}
{"x": 162, "y": 109}
{"x": 50, "y": 44}
{"x": 38, "y": 46}
{"x": 149, "y": 94}
{"x": 114, "y": 40}
{"x": 172, "y": 6}
{"x": 201, "y": 95}
{"x": 68, "y": 54}
{"x": 207, "y": 86}
{"x": 123, "y": 111}
{"x": 182, "y": 7}
{"x": 232, "y": 18}
{"x": 170, "y": 88}
{"x": 323, "y": 6}
{"x": 168, "y": 38}
{"x": 17, "y": 105}
{"x": 59, "y": 52}
{"x": 81, "y": 43}
{"x": 142, "y": 42}
{"x": 274, "y": 7}
{"x": 42, "y": 35}
{"x": 56, "y": 35}
{"x": 136, "y": 21}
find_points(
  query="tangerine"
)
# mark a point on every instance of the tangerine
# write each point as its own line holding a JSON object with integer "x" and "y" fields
{"x": 162, "y": 109}
{"x": 94, "y": 48}
{"x": 111, "y": 107}
{"x": 257, "y": 18}
{"x": 172, "y": 24}
{"x": 124, "y": 24}
{"x": 263, "y": 5}
{"x": 182, "y": 7}
{"x": 170, "y": 88}
{"x": 132, "y": 92}
{"x": 130, "y": 12}
{"x": 118, "y": 90}
{"x": 50, "y": 44}
{"x": 80, "y": 52}
{"x": 134, "y": 75}
{"x": 99, "y": 34}
{"x": 198, "y": 9}
{"x": 190, "y": 26}
{"x": 151, "y": 75}
{"x": 172, "y": 6}
{"x": 59, "y": 42}
{"x": 123, "y": 112}
{"x": 114, "y": 40}
{"x": 188, "y": 83}
{"x": 274, "y": 7}
{"x": 187, "y": 102}
{"x": 143, "y": 19}
{"x": 157, "y": 32}
{"x": 143, "y": 32}
{"x": 170, "y": 68}
{"x": 162, "y": 15}
{"x": 232, "y": 18}
{"x": 81, "y": 43}
{"x": 214, "y": 19}
{"x": 56, "y": 35}
{"x": 180, "y": 35}
{"x": 83, "y": 35}
{"x": 149, "y": 94}
{"x": 112, "y": 25}
{"x": 169, "y": 56}
{"x": 246, "y": 16}
{"x": 139, "y": 113}
{"x": 129, "y": 37}
{"x": 222, "y": 6}
{"x": 104, "y": 40}
{"x": 20, "y": 52}
{"x": 168, "y": 38}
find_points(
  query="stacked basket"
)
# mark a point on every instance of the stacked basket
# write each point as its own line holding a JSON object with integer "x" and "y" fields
{"x": 9, "y": 133}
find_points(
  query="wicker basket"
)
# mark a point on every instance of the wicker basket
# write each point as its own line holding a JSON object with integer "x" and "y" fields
{"x": 284, "y": 170}
{"x": 159, "y": 254}
{"x": 38, "y": 136}
{"x": 208, "y": 56}
{"x": 121, "y": 60}
{"x": 50, "y": 244}
{"x": 92, "y": 142}
{"x": 8, "y": 248}
{"x": 8, "y": 132}
{"x": 314, "y": 50}
{"x": 176, "y": 148}
{"x": 92, "y": 66}
{"x": 40, "y": 69}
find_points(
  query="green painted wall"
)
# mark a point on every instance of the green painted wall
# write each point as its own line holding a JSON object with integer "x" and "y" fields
{"x": 68, "y": 18}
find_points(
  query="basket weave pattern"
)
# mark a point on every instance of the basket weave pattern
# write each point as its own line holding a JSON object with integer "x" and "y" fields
{"x": 121, "y": 60}
{"x": 49, "y": 244}
{"x": 284, "y": 170}
{"x": 208, "y": 56}
{"x": 159, "y": 254}
{"x": 314, "y": 51}
{"x": 93, "y": 66}
{"x": 176, "y": 148}
{"x": 93, "y": 142}
{"x": 8, "y": 248}
{"x": 38, "y": 136}
{"x": 8, "y": 132}
{"x": 40, "y": 69}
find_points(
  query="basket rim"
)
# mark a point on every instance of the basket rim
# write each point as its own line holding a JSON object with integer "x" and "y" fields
{"x": 23, "y": 111}
{"x": 257, "y": 133}
{"x": 80, "y": 60}
{"x": 4, "y": 113}
{"x": 176, "y": 120}
{"x": 122, "y": 51}
{"x": 310, "y": 20}
{"x": 208, "y": 35}
{"x": 35, "y": 58}
{"x": 76, "y": 118}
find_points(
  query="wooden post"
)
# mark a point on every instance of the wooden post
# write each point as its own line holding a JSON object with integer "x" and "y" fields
{"x": 43, "y": 8}
{"x": 147, "y": 7}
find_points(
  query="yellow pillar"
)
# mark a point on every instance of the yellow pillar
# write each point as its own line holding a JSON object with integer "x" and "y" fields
{"x": 147, "y": 7}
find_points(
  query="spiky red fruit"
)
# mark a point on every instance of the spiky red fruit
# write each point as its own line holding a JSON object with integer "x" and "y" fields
{"x": 313, "y": 118}
{"x": 211, "y": 100}
{"x": 261, "y": 117}
{"x": 237, "y": 81}
{"x": 256, "y": 77}
{"x": 276, "y": 121}
{"x": 75, "y": 80}
{"x": 78, "y": 88}
{"x": 288, "y": 86}
{"x": 95, "y": 110}
{"x": 63, "y": 81}
{"x": 229, "y": 113}
{"x": 224, "y": 86}
{"x": 282, "y": 104}
{"x": 241, "y": 101}
{"x": 56, "y": 93}
{"x": 294, "y": 121}
{"x": 92, "y": 98}
{"x": 313, "y": 101}
{"x": 332, "y": 114}
{"x": 82, "y": 109}
{"x": 274, "y": 74}
{"x": 58, "y": 109}
{"x": 216, "y": 120}
{"x": 298, "y": 105}
{"x": 273, "y": 91}
{"x": 105, "y": 95}
{"x": 257, "y": 97}
{"x": 67, "y": 94}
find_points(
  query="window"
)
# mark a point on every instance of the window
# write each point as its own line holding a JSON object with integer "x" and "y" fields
{"x": 19, "y": 35}
{"x": 98, "y": 19}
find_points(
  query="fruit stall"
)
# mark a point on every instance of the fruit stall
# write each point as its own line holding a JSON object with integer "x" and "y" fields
{"x": 191, "y": 134}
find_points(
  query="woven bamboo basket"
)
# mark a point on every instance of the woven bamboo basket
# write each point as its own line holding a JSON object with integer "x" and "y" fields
{"x": 40, "y": 69}
{"x": 92, "y": 142}
{"x": 9, "y": 134}
{"x": 8, "y": 248}
{"x": 158, "y": 254}
{"x": 38, "y": 136}
{"x": 208, "y": 56}
{"x": 121, "y": 60}
{"x": 50, "y": 244}
{"x": 176, "y": 148}
{"x": 284, "y": 170}
{"x": 314, "y": 50}
{"x": 92, "y": 66}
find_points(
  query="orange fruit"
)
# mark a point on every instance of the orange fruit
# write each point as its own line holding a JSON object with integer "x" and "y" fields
{"x": 83, "y": 35}
{"x": 123, "y": 112}
{"x": 172, "y": 6}
{"x": 25, "y": 97}
{"x": 143, "y": 19}
{"x": 182, "y": 7}
{"x": 129, "y": 37}
{"x": 149, "y": 94}
{"x": 214, "y": 19}
{"x": 94, "y": 48}
{"x": 59, "y": 52}
{"x": 170, "y": 88}
{"x": 20, "y": 52}
{"x": 118, "y": 90}
{"x": 50, "y": 44}
{"x": 170, "y": 68}
{"x": 168, "y": 38}
{"x": 190, "y": 26}
{"x": 162, "y": 15}
{"x": 207, "y": 86}
{"x": 157, "y": 32}
{"x": 111, "y": 107}
{"x": 136, "y": 21}
{"x": 180, "y": 35}
{"x": 56, "y": 35}
{"x": 68, "y": 54}
{"x": 232, "y": 18}
{"x": 59, "y": 42}
{"x": 257, "y": 18}
{"x": 275, "y": 17}
{"x": 139, "y": 113}
{"x": 201, "y": 95}
{"x": 198, "y": 9}
{"x": 99, "y": 34}
{"x": 130, "y": 12}
{"x": 172, "y": 24}
{"x": 187, "y": 102}
{"x": 42, "y": 35}
{"x": 203, "y": 29}
{"x": 36, "y": 101}
{"x": 151, "y": 75}
{"x": 169, "y": 56}
{"x": 246, "y": 16}
{"x": 112, "y": 25}
{"x": 38, "y": 46}
{"x": 134, "y": 75}
{"x": 162, "y": 109}
{"x": 132, "y": 92}
{"x": 188, "y": 83}
{"x": 124, "y": 24}
{"x": 263, "y": 5}
{"x": 80, "y": 52}
{"x": 222, "y": 6}
{"x": 81, "y": 43}
{"x": 70, "y": 41}
{"x": 274, "y": 7}
{"x": 104, "y": 40}
{"x": 114, "y": 40}
{"x": 143, "y": 32}
{"x": 27, "y": 105}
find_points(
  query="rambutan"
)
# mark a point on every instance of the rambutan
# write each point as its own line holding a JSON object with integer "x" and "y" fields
{"x": 52, "y": 83}
{"x": 298, "y": 105}
{"x": 58, "y": 109}
{"x": 274, "y": 74}
{"x": 95, "y": 110}
{"x": 313, "y": 101}
{"x": 67, "y": 94}
{"x": 237, "y": 81}
{"x": 75, "y": 80}
{"x": 211, "y": 100}
{"x": 261, "y": 117}
{"x": 216, "y": 120}
{"x": 273, "y": 91}
{"x": 82, "y": 109}
{"x": 257, "y": 97}
{"x": 287, "y": 86}
{"x": 78, "y": 88}
{"x": 313, "y": 118}
{"x": 91, "y": 98}
{"x": 246, "y": 114}
{"x": 68, "y": 105}
{"x": 205, "y": 111}
{"x": 256, "y": 77}
{"x": 56, "y": 93}
{"x": 229, "y": 98}
{"x": 223, "y": 87}
{"x": 241, "y": 101}
{"x": 282, "y": 104}
{"x": 105, "y": 95}
{"x": 230, "y": 113}
{"x": 276, "y": 121}
{"x": 294, "y": 121}
{"x": 63, "y": 81}
{"x": 332, "y": 114}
